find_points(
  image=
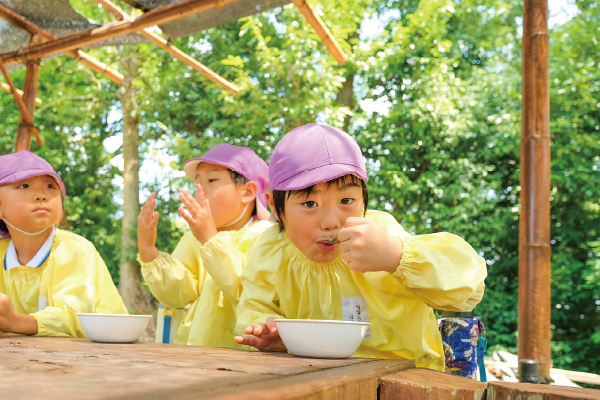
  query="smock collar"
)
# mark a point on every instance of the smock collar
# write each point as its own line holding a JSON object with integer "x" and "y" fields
{"x": 11, "y": 261}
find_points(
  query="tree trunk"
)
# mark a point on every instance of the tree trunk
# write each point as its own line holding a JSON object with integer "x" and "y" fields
{"x": 130, "y": 285}
{"x": 345, "y": 96}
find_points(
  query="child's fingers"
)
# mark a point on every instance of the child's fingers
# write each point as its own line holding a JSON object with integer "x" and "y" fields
{"x": 260, "y": 329}
{"x": 190, "y": 203}
{"x": 155, "y": 217}
{"x": 271, "y": 325}
{"x": 200, "y": 196}
{"x": 247, "y": 340}
{"x": 355, "y": 221}
{"x": 185, "y": 215}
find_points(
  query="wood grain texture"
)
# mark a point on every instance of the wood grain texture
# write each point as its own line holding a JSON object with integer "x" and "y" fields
{"x": 67, "y": 368}
{"x": 528, "y": 391}
{"x": 426, "y": 384}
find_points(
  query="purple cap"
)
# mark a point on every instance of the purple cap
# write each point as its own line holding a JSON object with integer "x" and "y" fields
{"x": 314, "y": 153}
{"x": 22, "y": 165}
{"x": 242, "y": 160}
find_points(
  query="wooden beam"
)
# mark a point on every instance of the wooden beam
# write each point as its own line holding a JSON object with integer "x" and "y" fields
{"x": 24, "y": 112}
{"x": 20, "y": 22}
{"x": 322, "y": 30}
{"x": 180, "y": 55}
{"x": 534, "y": 224}
{"x": 6, "y": 88}
{"x": 30, "y": 87}
{"x": 160, "y": 15}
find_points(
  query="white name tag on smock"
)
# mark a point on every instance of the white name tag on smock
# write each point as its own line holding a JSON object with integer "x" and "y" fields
{"x": 42, "y": 303}
{"x": 355, "y": 309}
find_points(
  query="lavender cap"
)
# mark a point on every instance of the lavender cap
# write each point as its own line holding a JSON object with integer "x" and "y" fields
{"x": 24, "y": 164}
{"x": 242, "y": 160}
{"x": 314, "y": 153}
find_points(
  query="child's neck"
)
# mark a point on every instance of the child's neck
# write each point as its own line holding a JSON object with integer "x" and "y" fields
{"x": 28, "y": 246}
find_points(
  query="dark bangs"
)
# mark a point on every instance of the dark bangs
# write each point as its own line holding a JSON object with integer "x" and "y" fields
{"x": 281, "y": 196}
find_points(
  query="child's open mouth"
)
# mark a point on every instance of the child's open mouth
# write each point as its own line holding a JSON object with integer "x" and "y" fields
{"x": 328, "y": 245}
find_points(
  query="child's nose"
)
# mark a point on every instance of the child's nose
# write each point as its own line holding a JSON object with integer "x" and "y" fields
{"x": 41, "y": 196}
{"x": 330, "y": 221}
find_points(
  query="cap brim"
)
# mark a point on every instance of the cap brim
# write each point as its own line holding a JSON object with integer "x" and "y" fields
{"x": 320, "y": 174}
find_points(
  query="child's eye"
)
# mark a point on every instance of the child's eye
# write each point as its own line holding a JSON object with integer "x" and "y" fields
{"x": 212, "y": 180}
{"x": 309, "y": 204}
{"x": 348, "y": 200}
{"x": 51, "y": 186}
{"x": 23, "y": 186}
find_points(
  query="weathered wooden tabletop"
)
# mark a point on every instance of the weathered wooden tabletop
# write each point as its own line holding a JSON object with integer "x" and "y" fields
{"x": 68, "y": 368}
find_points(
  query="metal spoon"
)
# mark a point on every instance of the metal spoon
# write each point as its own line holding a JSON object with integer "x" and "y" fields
{"x": 331, "y": 241}
{"x": 76, "y": 312}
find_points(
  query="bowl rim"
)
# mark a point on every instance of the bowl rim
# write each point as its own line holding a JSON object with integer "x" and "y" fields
{"x": 114, "y": 315}
{"x": 326, "y": 321}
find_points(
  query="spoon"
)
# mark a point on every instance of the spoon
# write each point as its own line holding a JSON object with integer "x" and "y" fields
{"x": 76, "y": 312}
{"x": 331, "y": 241}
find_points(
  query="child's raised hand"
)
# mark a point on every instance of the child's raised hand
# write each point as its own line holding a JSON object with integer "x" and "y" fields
{"x": 200, "y": 219}
{"x": 367, "y": 246}
{"x": 147, "y": 221}
{"x": 265, "y": 337}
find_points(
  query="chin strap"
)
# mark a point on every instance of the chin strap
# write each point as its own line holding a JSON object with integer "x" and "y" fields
{"x": 238, "y": 218}
{"x": 22, "y": 231}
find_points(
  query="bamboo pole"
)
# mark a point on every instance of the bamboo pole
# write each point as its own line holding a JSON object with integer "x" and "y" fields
{"x": 534, "y": 225}
{"x": 24, "y": 112}
{"x": 160, "y": 15}
{"x": 326, "y": 37}
{"x": 30, "y": 87}
{"x": 6, "y": 88}
{"x": 20, "y": 22}
{"x": 180, "y": 55}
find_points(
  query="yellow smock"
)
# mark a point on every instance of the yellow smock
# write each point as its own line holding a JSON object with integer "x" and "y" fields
{"x": 208, "y": 276}
{"x": 439, "y": 271}
{"x": 73, "y": 271}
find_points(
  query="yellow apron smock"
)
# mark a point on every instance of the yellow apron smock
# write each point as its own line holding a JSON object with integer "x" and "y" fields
{"x": 439, "y": 270}
{"x": 208, "y": 276}
{"x": 74, "y": 271}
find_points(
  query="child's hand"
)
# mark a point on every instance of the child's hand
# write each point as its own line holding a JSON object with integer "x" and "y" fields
{"x": 367, "y": 246}
{"x": 265, "y": 337}
{"x": 200, "y": 218}
{"x": 147, "y": 221}
{"x": 13, "y": 322}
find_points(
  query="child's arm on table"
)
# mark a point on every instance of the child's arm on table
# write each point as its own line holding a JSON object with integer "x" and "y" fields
{"x": 264, "y": 337}
{"x": 441, "y": 269}
{"x": 172, "y": 279}
{"x": 13, "y": 322}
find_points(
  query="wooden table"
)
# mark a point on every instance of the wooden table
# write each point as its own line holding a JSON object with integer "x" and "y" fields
{"x": 68, "y": 368}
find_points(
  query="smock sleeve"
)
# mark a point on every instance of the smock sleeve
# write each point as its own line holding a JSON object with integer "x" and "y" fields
{"x": 175, "y": 279}
{"x": 259, "y": 299}
{"x": 223, "y": 258}
{"x": 441, "y": 269}
{"x": 78, "y": 275}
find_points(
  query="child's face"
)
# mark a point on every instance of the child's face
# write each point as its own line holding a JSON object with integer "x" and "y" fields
{"x": 224, "y": 196}
{"x": 33, "y": 204}
{"x": 310, "y": 220}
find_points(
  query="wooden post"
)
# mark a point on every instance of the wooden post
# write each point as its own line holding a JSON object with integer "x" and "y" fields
{"x": 180, "y": 55}
{"x": 322, "y": 30}
{"x": 20, "y": 102}
{"x": 20, "y": 22}
{"x": 29, "y": 92}
{"x": 534, "y": 226}
{"x": 160, "y": 15}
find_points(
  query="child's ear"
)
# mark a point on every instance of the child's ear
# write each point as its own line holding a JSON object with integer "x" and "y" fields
{"x": 269, "y": 196}
{"x": 250, "y": 191}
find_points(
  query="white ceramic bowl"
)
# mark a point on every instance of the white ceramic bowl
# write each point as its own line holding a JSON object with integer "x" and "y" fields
{"x": 321, "y": 338}
{"x": 113, "y": 328}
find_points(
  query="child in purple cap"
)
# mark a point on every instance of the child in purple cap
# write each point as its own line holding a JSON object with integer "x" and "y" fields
{"x": 42, "y": 265}
{"x": 229, "y": 210}
{"x": 331, "y": 259}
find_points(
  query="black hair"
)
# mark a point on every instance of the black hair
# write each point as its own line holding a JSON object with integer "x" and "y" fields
{"x": 240, "y": 180}
{"x": 3, "y": 228}
{"x": 280, "y": 196}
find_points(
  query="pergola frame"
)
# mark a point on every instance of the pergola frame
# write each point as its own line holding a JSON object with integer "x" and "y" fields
{"x": 534, "y": 238}
{"x": 45, "y": 45}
